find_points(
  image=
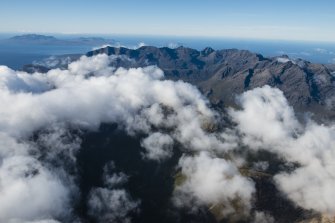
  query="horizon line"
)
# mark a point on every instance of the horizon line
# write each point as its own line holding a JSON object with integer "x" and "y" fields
{"x": 170, "y": 36}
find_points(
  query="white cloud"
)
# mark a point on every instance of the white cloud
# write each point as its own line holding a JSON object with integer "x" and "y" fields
{"x": 28, "y": 190}
{"x": 158, "y": 146}
{"x": 173, "y": 45}
{"x": 37, "y": 221}
{"x": 141, "y": 44}
{"x": 110, "y": 203}
{"x": 83, "y": 96}
{"x": 261, "y": 165}
{"x": 284, "y": 60}
{"x": 21, "y": 82}
{"x": 265, "y": 118}
{"x": 261, "y": 217}
{"x": 267, "y": 122}
{"x": 91, "y": 92}
{"x": 107, "y": 205}
{"x": 211, "y": 181}
{"x": 128, "y": 97}
{"x": 53, "y": 61}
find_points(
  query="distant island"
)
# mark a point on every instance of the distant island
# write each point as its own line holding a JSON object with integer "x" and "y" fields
{"x": 33, "y": 37}
{"x": 51, "y": 40}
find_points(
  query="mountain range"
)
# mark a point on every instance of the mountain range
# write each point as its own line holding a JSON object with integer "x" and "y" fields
{"x": 222, "y": 74}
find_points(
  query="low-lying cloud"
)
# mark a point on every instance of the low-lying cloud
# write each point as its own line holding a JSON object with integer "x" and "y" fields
{"x": 29, "y": 190}
{"x": 38, "y": 153}
{"x": 213, "y": 181}
{"x": 267, "y": 122}
{"x": 89, "y": 93}
{"x": 111, "y": 203}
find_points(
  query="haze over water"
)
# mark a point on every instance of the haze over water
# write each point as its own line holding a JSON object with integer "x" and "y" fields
{"x": 15, "y": 55}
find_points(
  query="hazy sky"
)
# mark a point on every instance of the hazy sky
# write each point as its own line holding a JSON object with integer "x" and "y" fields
{"x": 266, "y": 19}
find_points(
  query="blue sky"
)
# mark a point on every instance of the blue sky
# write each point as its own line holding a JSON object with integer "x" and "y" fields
{"x": 309, "y": 20}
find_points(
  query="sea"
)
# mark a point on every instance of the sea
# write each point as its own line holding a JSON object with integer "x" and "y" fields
{"x": 15, "y": 55}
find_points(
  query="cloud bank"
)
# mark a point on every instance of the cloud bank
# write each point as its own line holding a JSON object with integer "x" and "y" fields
{"x": 40, "y": 112}
{"x": 90, "y": 92}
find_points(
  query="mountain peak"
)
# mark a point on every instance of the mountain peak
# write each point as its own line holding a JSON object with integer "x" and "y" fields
{"x": 207, "y": 51}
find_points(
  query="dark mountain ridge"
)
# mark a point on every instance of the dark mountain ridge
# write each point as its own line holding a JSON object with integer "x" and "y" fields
{"x": 222, "y": 74}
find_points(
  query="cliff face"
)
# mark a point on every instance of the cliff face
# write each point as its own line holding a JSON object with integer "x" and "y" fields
{"x": 223, "y": 74}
